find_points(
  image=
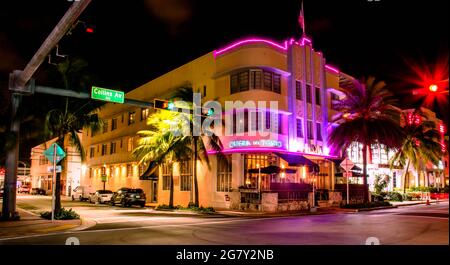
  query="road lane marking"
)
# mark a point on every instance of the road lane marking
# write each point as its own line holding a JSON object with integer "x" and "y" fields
{"x": 143, "y": 227}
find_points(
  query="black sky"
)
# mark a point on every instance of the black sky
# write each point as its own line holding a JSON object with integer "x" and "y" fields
{"x": 138, "y": 40}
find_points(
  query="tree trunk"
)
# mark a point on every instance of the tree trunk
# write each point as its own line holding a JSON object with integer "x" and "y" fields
{"x": 404, "y": 177}
{"x": 195, "y": 172}
{"x": 171, "y": 187}
{"x": 366, "y": 187}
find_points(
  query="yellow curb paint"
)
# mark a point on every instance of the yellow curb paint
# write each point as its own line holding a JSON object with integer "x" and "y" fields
{"x": 57, "y": 228}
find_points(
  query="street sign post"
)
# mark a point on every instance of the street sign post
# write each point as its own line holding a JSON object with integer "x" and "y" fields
{"x": 347, "y": 165}
{"x": 55, "y": 154}
{"x": 104, "y": 179}
{"x": 109, "y": 95}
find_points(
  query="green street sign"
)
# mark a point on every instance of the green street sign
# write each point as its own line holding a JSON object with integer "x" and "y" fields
{"x": 60, "y": 154}
{"x": 107, "y": 95}
{"x": 104, "y": 178}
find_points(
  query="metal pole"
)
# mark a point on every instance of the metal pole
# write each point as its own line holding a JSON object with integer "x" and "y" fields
{"x": 18, "y": 84}
{"x": 54, "y": 183}
{"x": 10, "y": 183}
{"x": 348, "y": 190}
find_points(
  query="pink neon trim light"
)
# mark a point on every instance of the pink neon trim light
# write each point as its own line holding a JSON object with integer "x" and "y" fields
{"x": 246, "y": 41}
{"x": 303, "y": 40}
{"x": 332, "y": 69}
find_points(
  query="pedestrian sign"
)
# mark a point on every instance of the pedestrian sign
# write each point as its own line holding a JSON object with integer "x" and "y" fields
{"x": 60, "y": 154}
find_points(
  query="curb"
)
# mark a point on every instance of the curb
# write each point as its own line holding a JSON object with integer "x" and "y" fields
{"x": 375, "y": 208}
{"x": 85, "y": 224}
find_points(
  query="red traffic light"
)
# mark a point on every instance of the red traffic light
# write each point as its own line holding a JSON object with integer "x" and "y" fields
{"x": 89, "y": 30}
{"x": 433, "y": 88}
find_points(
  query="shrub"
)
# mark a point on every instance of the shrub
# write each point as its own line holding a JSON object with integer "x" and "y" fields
{"x": 407, "y": 197}
{"x": 415, "y": 195}
{"x": 446, "y": 189}
{"x": 394, "y": 196}
{"x": 377, "y": 198}
{"x": 365, "y": 205}
{"x": 62, "y": 215}
{"x": 164, "y": 207}
{"x": 433, "y": 190}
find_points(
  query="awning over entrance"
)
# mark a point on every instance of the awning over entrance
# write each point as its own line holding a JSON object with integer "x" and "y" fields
{"x": 272, "y": 170}
{"x": 151, "y": 173}
{"x": 298, "y": 160}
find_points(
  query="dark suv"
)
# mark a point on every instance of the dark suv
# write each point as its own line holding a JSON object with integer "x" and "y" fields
{"x": 127, "y": 197}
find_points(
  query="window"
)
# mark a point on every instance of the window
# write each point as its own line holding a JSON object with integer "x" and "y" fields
{"x": 298, "y": 90}
{"x": 42, "y": 160}
{"x": 104, "y": 149}
{"x": 204, "y": 91}
{"x": 130, "y": 144}
{"x": 144, "y": 113}
{"x": 224, "y": 170}
{"x": 255, "y": 79}
{"x": 309, "y": 130}
{"x": 334, "y": 99}
{"x": 91, "y": 152}
{"x": 234, "y": 84}
{"x": 121, "y": 143}
{"x": 112, "y": 149}
{"x": 243, "y": 81}
{"x": 318, "y": 100}
{"x": 92, "y": 133}
{"x": 185, "y": 175}
{"x": 105, "y": 127}
{"x": 166, "y": 176}
{"x": 267, "y": 81}
{"x": 142, "y": 168}
{"x": 253, "y": 161}
{"x": 131, "y": 117}
{"x": 299, "y": 128}
{"x": 277, "y": 83}
{"x": 113, "y": 124}
{"x": 308, "y": 94}
{"x": 394, "y": 180}
{"x": 319, "y": 131}
{"x": 129, "y": 170}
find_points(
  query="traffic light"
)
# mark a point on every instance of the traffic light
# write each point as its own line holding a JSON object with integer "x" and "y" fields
{"x": 163, "y": 104}
{"x": 433, "y": 88}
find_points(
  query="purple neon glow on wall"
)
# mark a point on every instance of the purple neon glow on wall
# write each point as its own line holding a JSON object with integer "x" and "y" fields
{"x": 332, "y": 69}
{"x": 262, "y": 149}
{"x": 246, "y": 41}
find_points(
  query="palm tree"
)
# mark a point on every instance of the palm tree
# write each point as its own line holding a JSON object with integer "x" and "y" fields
{"x": 366, "y": 115}
{"x": 420, "y": 145}
{"x": 66, "y": 124}
{"x": 162, "y": 146}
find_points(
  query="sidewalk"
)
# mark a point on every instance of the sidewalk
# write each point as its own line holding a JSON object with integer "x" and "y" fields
{"x": 409, "y": 203}
{"x": 32, "y": 224}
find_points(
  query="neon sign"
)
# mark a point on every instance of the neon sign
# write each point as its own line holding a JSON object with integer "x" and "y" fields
{"x": 255, "y": 143}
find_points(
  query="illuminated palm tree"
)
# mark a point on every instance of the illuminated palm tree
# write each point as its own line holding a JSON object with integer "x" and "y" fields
{"x": 420, "y": 145}
{"x": 366, "y": 115}
{"x": 169, "y": 140}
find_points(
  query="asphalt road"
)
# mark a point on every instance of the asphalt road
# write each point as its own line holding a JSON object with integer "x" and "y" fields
{"x": 409, "y": 225}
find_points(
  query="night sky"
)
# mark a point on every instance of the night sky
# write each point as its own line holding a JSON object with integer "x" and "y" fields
{"x": 135, "y": 41}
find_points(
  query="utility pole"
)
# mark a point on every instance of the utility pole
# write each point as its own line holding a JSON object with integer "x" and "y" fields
{"x": 18, "y": 85}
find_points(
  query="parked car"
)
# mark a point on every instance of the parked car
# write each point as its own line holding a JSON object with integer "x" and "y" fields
{"x": 81, "y": 193}
{"x": 37, "y": 191}
{"x": 127, "y": 197}
{"x": 24, "y": 189}
{"x": 101, "y": 196}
